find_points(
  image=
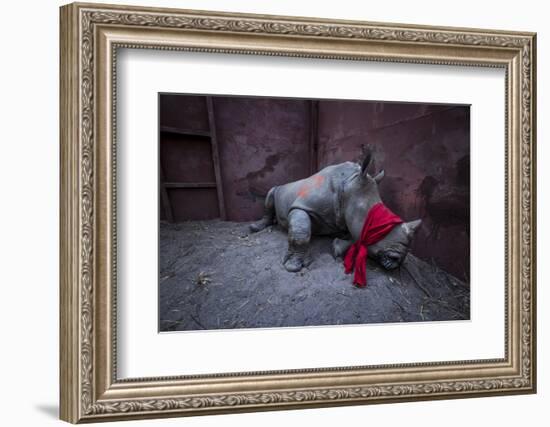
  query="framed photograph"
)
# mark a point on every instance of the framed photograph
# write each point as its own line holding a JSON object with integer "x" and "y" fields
{"x": 267, "y": 212}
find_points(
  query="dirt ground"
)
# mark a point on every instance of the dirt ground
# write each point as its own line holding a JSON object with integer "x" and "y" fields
{"x": 217, "y": 275}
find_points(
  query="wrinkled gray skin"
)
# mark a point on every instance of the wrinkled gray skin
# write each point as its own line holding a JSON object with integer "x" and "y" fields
{"x": 335, "y": 202}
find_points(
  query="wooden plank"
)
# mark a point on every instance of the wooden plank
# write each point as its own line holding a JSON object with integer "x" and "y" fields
{"x": 215, "y": 156}
{"x": 182, "y": 131}
{"x": 165, "y": 199}
{"x": 190, "y": 185}
{"x": 313, "y": 136}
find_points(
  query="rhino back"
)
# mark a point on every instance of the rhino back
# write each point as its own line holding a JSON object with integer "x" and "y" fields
{"x": 318, "y": 195}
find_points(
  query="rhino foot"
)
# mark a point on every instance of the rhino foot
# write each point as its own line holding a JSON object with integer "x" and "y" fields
{"x": 294, "y": 262}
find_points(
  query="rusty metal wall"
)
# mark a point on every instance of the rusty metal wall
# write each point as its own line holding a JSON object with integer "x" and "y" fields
{"x": 263, "y": 142}
{"x": 187, "y": 158}
{"x": 185, "y": 111}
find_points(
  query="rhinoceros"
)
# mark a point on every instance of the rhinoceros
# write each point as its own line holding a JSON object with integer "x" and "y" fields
{"x": 333, "y": 202}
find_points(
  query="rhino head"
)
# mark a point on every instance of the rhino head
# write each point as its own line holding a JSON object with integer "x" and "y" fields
{"x": 360, "y": 193}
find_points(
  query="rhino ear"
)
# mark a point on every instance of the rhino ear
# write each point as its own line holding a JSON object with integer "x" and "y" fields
{"x": 367, "y": 159}
{"x": 412, "y": 226}
{"x": 378, "y": 177}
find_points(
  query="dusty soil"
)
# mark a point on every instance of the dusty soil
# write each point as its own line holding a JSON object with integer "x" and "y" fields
{"x": 217, "y": 275}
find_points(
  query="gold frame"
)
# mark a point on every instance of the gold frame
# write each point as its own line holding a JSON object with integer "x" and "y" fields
{"x": 90, "y": 36}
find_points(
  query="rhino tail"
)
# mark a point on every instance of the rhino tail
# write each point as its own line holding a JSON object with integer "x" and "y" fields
{"x": 269, "y": 213}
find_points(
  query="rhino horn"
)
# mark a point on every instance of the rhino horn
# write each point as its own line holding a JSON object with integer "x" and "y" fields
{"x": 412, "y": 226}
{"x": 378, "y": 177}
{"x": 367, "y": 159}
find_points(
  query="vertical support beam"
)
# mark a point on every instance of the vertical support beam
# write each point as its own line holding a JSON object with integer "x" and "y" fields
{"x": 165, "y": 199}
{"x": 215, "y": 156}
{"x": 313, "y": 136}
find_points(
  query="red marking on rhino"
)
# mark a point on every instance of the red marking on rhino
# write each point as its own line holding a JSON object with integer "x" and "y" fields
{"x": 311, "y": 184}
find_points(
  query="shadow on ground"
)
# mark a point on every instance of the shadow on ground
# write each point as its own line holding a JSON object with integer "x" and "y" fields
{"x": 50, "y": 410}
{"x": 216, "y": 275}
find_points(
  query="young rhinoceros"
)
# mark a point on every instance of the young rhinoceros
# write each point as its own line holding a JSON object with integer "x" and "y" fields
{"x": 335, "y": 201}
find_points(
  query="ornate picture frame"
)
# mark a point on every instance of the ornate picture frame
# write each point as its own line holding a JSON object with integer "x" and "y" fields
{"x": 90, "y": 37}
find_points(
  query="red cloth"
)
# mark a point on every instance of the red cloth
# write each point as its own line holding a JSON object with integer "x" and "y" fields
{"x": 378, "y": 223}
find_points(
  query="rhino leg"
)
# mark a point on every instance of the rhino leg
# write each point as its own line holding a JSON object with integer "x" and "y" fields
{"x": 269, "y": 213}
{"x": 299, "y": 233}
{"x": 340, "y": 247}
